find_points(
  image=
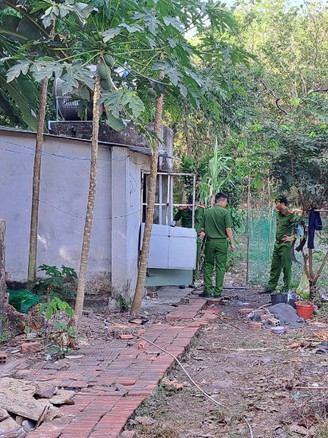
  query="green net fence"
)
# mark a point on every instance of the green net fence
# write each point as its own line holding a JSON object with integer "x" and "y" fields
{"x": 261, "y": 234}
{"x": 260, "y": 242}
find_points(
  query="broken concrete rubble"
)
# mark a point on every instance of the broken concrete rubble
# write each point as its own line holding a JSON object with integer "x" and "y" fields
{"x": 278, "y": 315}
{"x": 16, "y": 396}
{"x": 9, "y": 427}
{"x": 62, "y": 397}
{"x": 21, "y": 412}
{"x": 286, "y": 315}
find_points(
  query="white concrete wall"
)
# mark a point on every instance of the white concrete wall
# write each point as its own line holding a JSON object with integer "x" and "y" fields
{"x": 64, "y": 189}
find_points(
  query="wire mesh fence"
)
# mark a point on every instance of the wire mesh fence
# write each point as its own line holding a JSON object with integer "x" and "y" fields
{"x": 260, "y": 237}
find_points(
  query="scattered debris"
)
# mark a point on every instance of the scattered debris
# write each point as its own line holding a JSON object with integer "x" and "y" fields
{"x": 16, "y": 396}
{"x": 139, "y": 321}
{"x": 286, "y": 315}
{"x": 31, "y": 347}
{"x": 45, "y": 390}
{"x": 126, "y": 337}
{"x": 152, "y": 294}
{"x": 172, "y": 385}
{"x": 145, "y": 420}
{"x": 62, "y": 397}
{"x": 278, "y": 330}
{"x": 323, "y": 348}
{"x": 10, "y": 428}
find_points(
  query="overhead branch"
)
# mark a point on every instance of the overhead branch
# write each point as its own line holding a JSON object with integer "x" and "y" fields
{"x": 317, "y": 90}
{"x": 277, "y": 98}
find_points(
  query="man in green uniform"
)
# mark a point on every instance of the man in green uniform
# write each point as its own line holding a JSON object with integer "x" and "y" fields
{"x": 184, "y": 214}
{"x": 281, "y": 257}
{"x": 217, "y": 228}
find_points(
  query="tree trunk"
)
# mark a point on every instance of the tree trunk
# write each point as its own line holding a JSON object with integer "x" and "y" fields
{"x": 36, "y": 182}
{"x": 90, "y": 207}
{"x": 2, "y": 271}
{"x": 324, "y": 261}
{"x": 143, "y": 261}
{"x": 311, "y": 276}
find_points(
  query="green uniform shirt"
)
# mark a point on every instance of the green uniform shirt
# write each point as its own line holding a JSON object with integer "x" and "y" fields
{"x": 286, "y": 221}
{"x": 216, "y": 220}
{"x": 185, "y": 214}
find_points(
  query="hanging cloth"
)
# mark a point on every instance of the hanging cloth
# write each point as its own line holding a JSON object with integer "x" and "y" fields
{"x": 315, "y": 224}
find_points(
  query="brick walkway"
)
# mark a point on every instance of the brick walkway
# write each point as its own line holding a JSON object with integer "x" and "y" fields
{"x": 113, "y": 378}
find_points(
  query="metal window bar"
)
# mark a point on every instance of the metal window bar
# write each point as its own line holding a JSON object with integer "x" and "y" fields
{"x": 168, "y": 205}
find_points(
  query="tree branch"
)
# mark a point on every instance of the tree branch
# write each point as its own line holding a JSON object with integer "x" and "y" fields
{"x": 277, "y": 98}
{"x": 318, "y": 90}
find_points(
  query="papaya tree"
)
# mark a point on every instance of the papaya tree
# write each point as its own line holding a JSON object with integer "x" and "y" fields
{"x": 28, "y": 34}
{"x": 115, "y": 52}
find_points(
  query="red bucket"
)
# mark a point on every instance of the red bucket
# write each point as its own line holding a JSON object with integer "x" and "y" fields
{"x": 304, "y": 310}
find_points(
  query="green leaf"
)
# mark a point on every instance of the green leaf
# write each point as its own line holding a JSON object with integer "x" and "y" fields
{"x": 122, "y": 100}
{"x": 173, "y": 43}
{"x": 183, "y": 90}
{"x": 174, "y": 75}
{"x": 15, "y": 71}
{"x": 152, "y": 23}
{"x": 115, "y": 123}
{"x": 174, "y": 22}
{"x": 133, "y": 28}
{"x": 193, "y": 75}
{"x": 46, "y": 69}
{"x": 110, "y": 34}
{"x": 23, "y": 93}
{"x": 135, "y": 103}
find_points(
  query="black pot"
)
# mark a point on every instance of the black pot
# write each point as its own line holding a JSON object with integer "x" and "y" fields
{"x": 278, "y": 298}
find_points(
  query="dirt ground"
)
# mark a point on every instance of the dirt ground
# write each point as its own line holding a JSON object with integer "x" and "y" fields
{"x": 268, "y": 385}
{"x": 259, "y": 384}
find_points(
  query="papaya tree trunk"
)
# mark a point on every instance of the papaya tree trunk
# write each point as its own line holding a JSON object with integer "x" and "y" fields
{"x": 90, "y": 207}
{"x": 32, "y": 259}
{"x": 2, "y": 271}
{"x": 143, "y": 261}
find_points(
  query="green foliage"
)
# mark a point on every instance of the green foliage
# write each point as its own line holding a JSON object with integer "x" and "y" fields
{"x": 60, "y": 335}
{"x": 123, "y": 303}
{"x": 134, "y": 40}
{"x": 290, "y": 44}
{"x": 58, "y": 284}
{"x": 55, "y": 306}
{"x": 301, "y": 161}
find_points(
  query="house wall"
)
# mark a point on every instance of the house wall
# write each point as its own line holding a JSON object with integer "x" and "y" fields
{"x": 63, "y": 198}
{"x": 126, "y": 216}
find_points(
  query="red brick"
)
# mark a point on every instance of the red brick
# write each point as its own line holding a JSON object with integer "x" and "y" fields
{"x": 245, "y": 311}
{"x": 31, "y": 347}
{"x": 255, "y": 325}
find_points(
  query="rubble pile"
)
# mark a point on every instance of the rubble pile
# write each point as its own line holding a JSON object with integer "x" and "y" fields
{"x": 25, "y": 405}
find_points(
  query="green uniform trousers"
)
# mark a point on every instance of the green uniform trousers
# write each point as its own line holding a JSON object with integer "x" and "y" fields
{"x": 281, "y": 261}
{"x": 199, "y": 249}
{"x": 216, "y": 254}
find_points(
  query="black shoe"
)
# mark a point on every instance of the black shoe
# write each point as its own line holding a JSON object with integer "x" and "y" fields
{"x": 266, "y": 291}
{"x": 205, "y": 295}
{"x": 182, "y": 287}
{"x": 192, "y": 285}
